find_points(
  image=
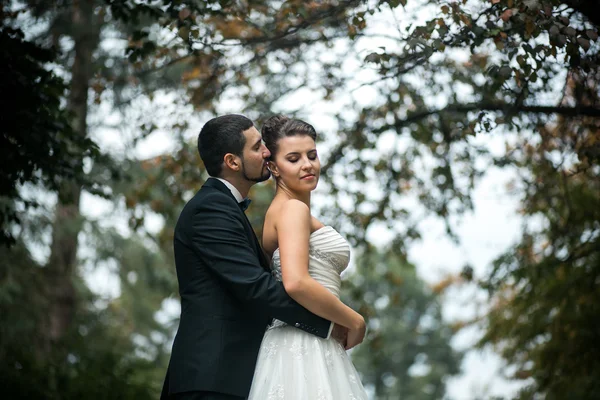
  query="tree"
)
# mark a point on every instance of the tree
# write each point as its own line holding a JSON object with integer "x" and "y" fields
{"x": 38, "y": 144}
{"x": 101, "y": 361}
{"x": 545, "y": 288}
{"x": 474, "y": 68}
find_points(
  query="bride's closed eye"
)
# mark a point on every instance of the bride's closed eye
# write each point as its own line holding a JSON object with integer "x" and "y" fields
{"x": 312, "y": 157}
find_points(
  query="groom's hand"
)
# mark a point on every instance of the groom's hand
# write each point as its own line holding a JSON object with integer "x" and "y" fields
{"x": 340, "y": 333}
{"x": 356, "y": 336}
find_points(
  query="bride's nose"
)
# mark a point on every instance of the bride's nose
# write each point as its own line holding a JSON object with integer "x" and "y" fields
{"x": 306, "y": 163}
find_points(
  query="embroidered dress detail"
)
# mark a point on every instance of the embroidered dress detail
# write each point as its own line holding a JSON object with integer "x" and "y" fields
{"x": 296, "y": 365}
{"x": 270, "y": 349}
{"x": 337, "y": 261}
{"x": 277, "y": 393}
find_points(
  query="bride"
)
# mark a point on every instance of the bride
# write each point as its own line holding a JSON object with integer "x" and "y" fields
{"x": 308, "y": 257}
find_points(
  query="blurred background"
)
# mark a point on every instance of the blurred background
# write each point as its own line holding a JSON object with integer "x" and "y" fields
{"x": 460, "y": 143}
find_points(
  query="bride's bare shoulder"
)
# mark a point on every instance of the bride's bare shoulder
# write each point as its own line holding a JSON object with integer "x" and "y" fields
{"x": 285, "y": 208}
{"x": 295, "y": 206}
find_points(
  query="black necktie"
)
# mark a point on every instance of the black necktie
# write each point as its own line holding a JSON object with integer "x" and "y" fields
{"x": 244, "y": 204}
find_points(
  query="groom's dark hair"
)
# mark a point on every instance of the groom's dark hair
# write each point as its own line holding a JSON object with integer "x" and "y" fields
{"x": 219, "y": 136}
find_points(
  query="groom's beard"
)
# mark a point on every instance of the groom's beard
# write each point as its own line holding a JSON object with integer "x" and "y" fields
{"x": 256, "y": 179}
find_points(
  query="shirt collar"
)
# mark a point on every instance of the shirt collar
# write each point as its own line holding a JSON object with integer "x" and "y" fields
{"x": 236, "y": 193}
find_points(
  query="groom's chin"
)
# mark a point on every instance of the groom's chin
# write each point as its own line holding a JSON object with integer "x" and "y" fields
{"x": 265, "y": 176}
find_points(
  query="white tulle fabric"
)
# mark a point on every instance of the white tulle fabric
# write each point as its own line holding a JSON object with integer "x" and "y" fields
{"x": 295, "y": 365}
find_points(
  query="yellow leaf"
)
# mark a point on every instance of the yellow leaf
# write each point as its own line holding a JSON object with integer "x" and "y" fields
{"x": 443, "y": 284}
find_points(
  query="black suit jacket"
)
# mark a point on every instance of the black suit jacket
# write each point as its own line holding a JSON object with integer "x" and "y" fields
{"x": 228, "y": 296}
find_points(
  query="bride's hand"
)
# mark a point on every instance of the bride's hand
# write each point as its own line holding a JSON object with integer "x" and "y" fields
{"x": 356, "y": 335}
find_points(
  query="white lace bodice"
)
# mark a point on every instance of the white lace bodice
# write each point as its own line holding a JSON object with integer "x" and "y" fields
{"x": 328, "y": 257}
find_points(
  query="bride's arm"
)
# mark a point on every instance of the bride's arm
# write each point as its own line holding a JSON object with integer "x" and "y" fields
{"x": 293, "y": 234}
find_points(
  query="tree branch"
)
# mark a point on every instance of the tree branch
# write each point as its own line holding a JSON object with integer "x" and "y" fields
{"x": 505, "y": 108}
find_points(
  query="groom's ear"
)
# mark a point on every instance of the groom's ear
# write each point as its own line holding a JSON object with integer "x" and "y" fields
{"x": 232, "y": 161}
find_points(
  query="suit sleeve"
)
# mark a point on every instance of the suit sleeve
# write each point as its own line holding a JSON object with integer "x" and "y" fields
{"x": 218, "y": 237}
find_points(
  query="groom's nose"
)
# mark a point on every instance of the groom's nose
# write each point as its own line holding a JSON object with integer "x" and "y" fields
{"x": 266, "y": 152}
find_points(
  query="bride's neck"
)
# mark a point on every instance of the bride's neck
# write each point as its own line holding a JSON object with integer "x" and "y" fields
{"x": 290, "y": 194}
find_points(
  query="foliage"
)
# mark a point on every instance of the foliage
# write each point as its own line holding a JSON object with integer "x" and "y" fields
{"x": 37, "y": 143}
{"x": 545, "y": 289}
{"x": 209, "y": 47}
{"x": 407, "y": 352}
{"x": 475, "y": 67}
{"x": 99, "y": 361}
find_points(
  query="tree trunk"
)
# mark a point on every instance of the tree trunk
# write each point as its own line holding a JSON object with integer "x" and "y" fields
{"x": 67, "y": 224}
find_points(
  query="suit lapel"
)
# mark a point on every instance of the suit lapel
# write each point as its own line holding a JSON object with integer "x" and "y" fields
{"x": 257, "y": 247}
{"x": 253, "y": 240}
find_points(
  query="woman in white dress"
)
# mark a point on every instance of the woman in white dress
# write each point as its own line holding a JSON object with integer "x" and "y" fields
{"x": 308, "y": 257}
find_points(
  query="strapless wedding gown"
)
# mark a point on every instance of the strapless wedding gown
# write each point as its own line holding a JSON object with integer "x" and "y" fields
{"x": 295, "y": 365}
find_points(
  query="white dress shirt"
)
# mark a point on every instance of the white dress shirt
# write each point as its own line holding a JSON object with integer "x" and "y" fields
{"x": 236, "y": 193}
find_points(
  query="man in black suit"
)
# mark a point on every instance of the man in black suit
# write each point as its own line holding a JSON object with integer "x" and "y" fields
{"x": 228, "y": 295}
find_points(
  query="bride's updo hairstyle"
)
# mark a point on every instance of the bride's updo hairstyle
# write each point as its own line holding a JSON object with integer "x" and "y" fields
{"x": 279, "y": 126}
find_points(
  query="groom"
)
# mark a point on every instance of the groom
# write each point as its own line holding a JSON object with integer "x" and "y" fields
{"x": 228, "y": 295}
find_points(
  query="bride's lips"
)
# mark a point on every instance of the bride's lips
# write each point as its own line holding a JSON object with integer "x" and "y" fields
{"x": 307, "y": 177}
